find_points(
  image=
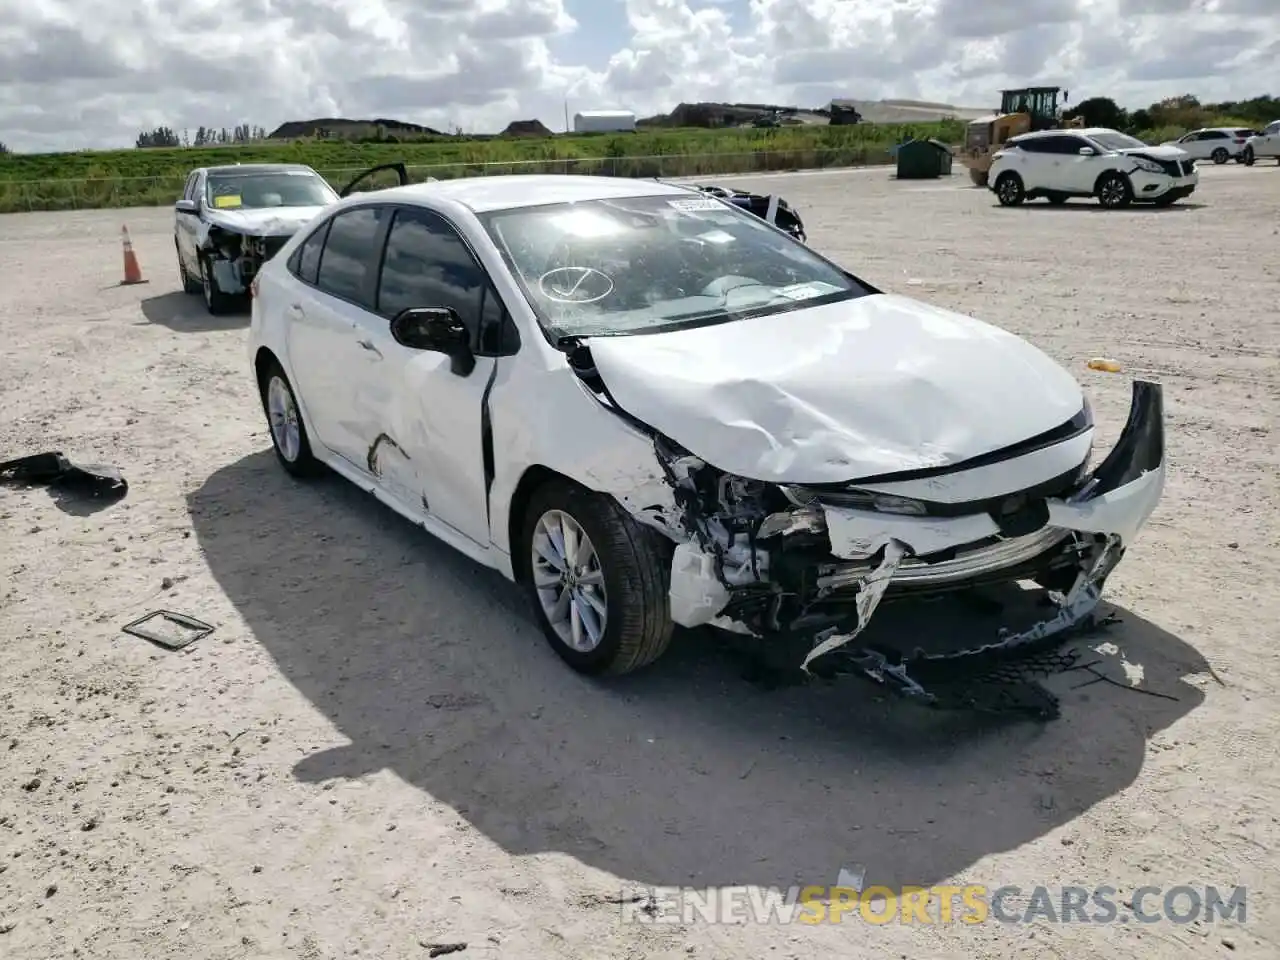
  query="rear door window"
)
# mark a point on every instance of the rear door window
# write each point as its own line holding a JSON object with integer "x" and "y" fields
{"x": 349, "y": 261}
{"x": 305, "y": 262}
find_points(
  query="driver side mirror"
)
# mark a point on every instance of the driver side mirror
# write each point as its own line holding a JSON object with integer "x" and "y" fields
{"x": 439, "y": 330}
{"x": 1088, "y": 152}
{"x": 187, "y": 206}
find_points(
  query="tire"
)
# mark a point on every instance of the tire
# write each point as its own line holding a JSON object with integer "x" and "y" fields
{"x": 1114, "y": 191}
{"x": 632, "y": 564}
{"x": 1009, "y": 190}
{"x": 1220, "y": 155}
{"x": 1248, "y": 156}
{"x": 216, "y": 301}
{"x": 189, "y": 285}
{"x": 293, "y": 449}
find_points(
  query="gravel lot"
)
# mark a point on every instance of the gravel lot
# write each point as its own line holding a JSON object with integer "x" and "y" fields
{"x": 376, "y": 750}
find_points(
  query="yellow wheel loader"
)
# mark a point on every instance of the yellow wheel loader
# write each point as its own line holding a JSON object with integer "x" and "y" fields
{"x": 1021, "y": 111}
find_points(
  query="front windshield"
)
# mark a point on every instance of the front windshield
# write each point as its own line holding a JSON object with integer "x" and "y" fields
{"x": 1115, "y": 140}
{"x": 279, "y": 188}
{"x": 646, "y": 264}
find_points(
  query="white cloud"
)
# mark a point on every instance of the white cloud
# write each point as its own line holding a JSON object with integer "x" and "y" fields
{"x": 72, "y": 74}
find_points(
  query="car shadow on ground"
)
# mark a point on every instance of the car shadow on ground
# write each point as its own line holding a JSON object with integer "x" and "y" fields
{"x": 1092, "y": 206}
{"x": 186, "y": 313}
{"x": 681, "y": 774}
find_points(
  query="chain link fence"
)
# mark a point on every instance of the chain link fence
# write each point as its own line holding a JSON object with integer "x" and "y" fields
{"x": 108, "y": 192}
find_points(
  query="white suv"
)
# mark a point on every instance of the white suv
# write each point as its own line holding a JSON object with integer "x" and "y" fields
{"x": 1264, "y": 144}
{"x": 1093, "y": 162}
{"x": 1218, "y": 144}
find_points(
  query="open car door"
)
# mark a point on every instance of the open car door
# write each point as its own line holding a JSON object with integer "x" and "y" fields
{"x": 401, "y": 172}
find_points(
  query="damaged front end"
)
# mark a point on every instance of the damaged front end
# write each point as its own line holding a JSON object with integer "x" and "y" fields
{"x": 805, "y": 568}
{"x": 235, "y": 258}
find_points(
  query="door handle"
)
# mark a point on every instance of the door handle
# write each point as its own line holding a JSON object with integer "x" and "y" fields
{"x": 368, "y": 345}
{"x": 295, "y": 310}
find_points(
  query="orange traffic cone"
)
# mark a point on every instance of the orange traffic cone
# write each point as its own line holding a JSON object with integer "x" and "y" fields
{"x": 132, "y": 272}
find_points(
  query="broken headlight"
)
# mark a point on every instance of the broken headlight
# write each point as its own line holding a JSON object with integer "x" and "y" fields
{"x": 858, "y": 500}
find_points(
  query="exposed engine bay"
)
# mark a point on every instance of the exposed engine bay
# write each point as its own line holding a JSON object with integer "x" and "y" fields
{"x": 802, "y": 568}
{"x": 236, "y": 258}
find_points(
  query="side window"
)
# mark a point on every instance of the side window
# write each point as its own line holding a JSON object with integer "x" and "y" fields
{"x": 1272, "y": 128}
{"x": 349, "y": 256}
{"x": 1062, "y": 145}
{"x": 305, "y": 262}
{"x": 427, "y": 265}
{"x": 186, "y": 189}
{"x": 1214, "y": 135}
{"x": 1033, "y": 145}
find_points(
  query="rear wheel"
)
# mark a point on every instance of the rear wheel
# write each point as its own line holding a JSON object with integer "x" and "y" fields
{"x": 284, "y": 419}
{"x": 1114, "y": 191}
{"x": 1219, "y": 155}
{"x": 190, "y": 284}
{"x": 597, "y": 580}
{"x": 1009, "y": 190}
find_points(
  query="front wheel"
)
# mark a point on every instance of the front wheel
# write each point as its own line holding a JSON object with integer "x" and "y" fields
{"x": 1248, "y": 156}
{"x": 1009, "y": 190}
{"x": 1219, "y": 155}
{"x": 597, "y": 580}
{"x": 1114, "y": 191}
{"x": 216, "y": 301}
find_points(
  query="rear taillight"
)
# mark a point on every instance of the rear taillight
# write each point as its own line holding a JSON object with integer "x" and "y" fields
{"x": 1239, "y": 139}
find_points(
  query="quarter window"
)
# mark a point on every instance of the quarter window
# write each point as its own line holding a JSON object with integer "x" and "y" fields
{"x": 305, "y": 262}
{"x": 349, "y": 255}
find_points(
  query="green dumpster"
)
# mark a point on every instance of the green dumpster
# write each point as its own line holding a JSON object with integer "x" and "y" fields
{"x": 923, "y": 160}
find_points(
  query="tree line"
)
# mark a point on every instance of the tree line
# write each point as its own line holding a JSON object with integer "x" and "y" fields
{"x": 1174, "y": 116}
{"x": 204, "y": 136}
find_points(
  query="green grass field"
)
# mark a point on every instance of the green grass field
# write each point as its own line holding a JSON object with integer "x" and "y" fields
{"x": 151, "y": 177}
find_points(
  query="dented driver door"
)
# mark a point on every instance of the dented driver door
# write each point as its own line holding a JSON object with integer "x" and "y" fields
{"x": 420, "y": 416}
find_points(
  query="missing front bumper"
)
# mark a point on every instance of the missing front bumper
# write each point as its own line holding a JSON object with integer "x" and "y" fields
{"x": 1081, "y": 537}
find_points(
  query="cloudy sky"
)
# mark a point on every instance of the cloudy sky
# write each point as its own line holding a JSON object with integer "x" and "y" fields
{"x": 76, "y": 73}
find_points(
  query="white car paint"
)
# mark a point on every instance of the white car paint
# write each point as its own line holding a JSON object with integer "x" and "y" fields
{"x": 1218, "y": 144}
{"x": 1071, "y": 162}
{"x": 838, "y": 391}
{"x": 1266, "y": 143}
{"x": 262, "y": 222}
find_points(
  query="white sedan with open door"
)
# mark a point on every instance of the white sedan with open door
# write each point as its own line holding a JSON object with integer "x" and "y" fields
{"x": 652, "y": 408}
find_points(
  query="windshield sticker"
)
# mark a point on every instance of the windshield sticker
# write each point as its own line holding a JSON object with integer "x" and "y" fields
{"x": 695, "y": 204}
{"x": 227, "y": 200}
{"x": 716, "y": 236}
{"x": 806, "y": 291}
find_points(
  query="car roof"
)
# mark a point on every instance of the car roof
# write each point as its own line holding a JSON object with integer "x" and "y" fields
{"x": 1065, "y": 131}
{"x": 484, "y": 194}
{"x": 249, "y": 168}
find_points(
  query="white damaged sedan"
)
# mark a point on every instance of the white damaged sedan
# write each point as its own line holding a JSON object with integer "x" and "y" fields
{"x": 652, "y": 408}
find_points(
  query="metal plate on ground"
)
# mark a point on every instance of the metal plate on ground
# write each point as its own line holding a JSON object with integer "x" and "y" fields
{"x": 167, "y": 629}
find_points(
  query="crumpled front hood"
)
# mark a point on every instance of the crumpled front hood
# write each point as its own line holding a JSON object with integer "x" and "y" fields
{"x": 1163, "y": 152}
{"x": 263, "y": 221}
{"x": 839, "y": 392}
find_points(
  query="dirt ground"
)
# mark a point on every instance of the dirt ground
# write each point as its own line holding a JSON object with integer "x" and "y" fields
{"x": 376, "y": 751}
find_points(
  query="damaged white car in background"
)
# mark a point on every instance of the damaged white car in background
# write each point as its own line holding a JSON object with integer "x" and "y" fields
{"x": 653, "y": 408}
{"x": 230, "y": 220}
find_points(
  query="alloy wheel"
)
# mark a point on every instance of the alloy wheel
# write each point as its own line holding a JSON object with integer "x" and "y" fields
{"x": 282, "y": 413}
{"x": 570, "y": 582}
